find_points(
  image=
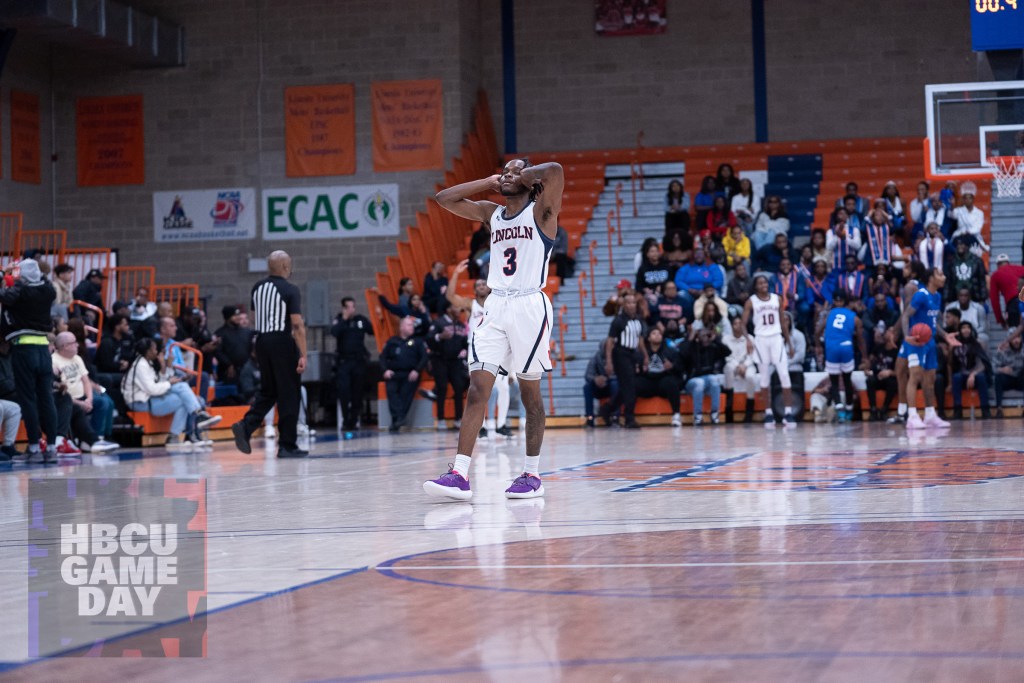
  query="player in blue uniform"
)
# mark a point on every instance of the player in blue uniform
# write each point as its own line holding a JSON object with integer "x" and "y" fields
{"x": 916, "y": 275}
{"x": 842, "y": 327}
{"x": 920, "y": 359}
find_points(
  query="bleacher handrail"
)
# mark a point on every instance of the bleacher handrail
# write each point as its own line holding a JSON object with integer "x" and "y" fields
{"x": 100, "y": 315}
{"x": 583, "y": 295}
{"x": 611, "y": 254}
{"x": 199, "y": 364}
{"x": 618, "y": 210}
{"x": 127, "y": 280}
{"x": 51, "y": 242}
{"x": 561, "y": 336}
{"x": 593, "y": 264}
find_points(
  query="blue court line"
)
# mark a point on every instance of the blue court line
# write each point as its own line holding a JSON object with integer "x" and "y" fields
{"x": 8, "y": 666}
{"x": 668, "y": 659}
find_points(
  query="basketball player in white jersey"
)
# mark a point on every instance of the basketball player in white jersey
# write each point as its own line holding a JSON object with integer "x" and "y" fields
{"x": 771, "y": 346}
{"x": 515, "y": 333}
{"x": 500, "y": 394}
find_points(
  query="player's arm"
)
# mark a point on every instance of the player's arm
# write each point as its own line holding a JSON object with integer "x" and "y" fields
{"x": 904, "y": 324}
{"x": 454, "y": 299}
{"x": 299, "y": 335}
{"x": 457, "y": 199}
{"x": 858, "y": 329}
{"x": 747, "y": 310}
{"x": 548, "y": 180}
{"x": 820, "y": 327}
{"x": 784, "y": 324}
{"x": 609, "y": 369}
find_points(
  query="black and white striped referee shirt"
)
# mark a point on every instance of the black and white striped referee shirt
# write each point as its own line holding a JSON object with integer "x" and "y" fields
{"x": 274, "y": 301}
{"x": 626, "y": 331}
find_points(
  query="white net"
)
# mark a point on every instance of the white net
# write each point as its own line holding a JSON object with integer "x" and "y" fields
{"x": 1007, "y": 172}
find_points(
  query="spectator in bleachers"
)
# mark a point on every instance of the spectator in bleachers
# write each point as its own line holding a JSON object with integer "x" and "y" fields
{"x": 448, "y": 344}
{"x": 726, "y": 181}
{"x": 641, "y": 253}
{"x": 704, "y": 358}
{"x": 675, "y": 333}
{"x": 670, "y": 306}
{"x": 881, "y": 376}
{"x": 677, "y": 208}
{"x": 480, "y": 251}
{"x": 719, "y": 219}
{"x": 704, "y": 200}
{"x": 613, "y": 304}
{"x": 738, "y": 290}
{"x": 74, "y": 400}
{"x": 878, "y": 229}
{"x": 692, "y": 277}
{"x": 971, "y": 312}
{"x": 653, "y": 273}
{"x": 791, "y": 289}
{"x": 965, "y": 270}
{"x": 565, "y": 264}
{"x": 661, "y": 376}
{"x": 918, "y": 210}
{"x": 767, "y": 258}
{"x": 621, "y": 351}
{"x": 842, "y": 239}
{"x": 63, "y": 276}
{"x": 402, "y": 360}
{"x": 970, "y": 220}
{"x": 597, "y": 384}
{"x": 713, "y": 250}
{"x": 967, "y": 365}
{"x": 196, "y": 330}
{"x": 1008, "y": 368}
{"x": 115, "y": 353}
{"x": 949, "y": 195}
{"x": 677, "y": 248}
{"x": 1005, "y": 283}
{"x": 879, "y": 317}
{"x": 860, "y": 204}
{"x": 90, "y": 291}
{"x": 181, "y": 360}
{"x": 770, "y": 223}
{"x": 235, "y": 344}
{"x": 739, "y": 373}
{"x": 819, "y": 247}
{"x": 894, "y": 207}
{"x": 405, "y": 291}
{"x": 10, "y": 410}
{"x": 951, "y": 321}
{"x": 931, "y": 249}
{"x": 434, "y": 285}
{"x": 709, "y": 297}
{"x": 414, "y": 308}
{"x": 105, "y": 400}
{"x": 938, "y": 214}
{"x": 710, "y": 319}
{"x": 737, "y": 248}
{"x": 745, "y": 205}
{"x": 141, "y": 310}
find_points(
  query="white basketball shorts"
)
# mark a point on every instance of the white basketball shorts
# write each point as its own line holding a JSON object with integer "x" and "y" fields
{"x": 771, "y": 353}
{"x": 514, "y": 334}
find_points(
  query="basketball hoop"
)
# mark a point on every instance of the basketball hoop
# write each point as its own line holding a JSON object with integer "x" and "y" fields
{"x": 1008, "y": 172}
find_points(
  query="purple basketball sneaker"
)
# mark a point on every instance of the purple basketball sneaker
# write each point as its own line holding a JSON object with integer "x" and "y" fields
{"x": 450, "y": 485}
{"x": 525, "y": 486}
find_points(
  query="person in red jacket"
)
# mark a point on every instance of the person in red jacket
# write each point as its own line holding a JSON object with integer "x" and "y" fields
{"x": 1004, "y": 281}
{"x": 720, "y": 219}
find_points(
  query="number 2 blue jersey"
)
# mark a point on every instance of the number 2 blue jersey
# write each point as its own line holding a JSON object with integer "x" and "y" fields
{"x": 927, "y": 307}
{"x": 840, "y": 327}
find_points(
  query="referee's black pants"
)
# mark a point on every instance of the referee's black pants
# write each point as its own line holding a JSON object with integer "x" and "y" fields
{"x": 624, "y": 362}
{"x": 278, "y": 357}
{"x": 350, "y": 377}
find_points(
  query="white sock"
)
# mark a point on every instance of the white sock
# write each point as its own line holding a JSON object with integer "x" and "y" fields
{"x": 462, "y": 465}
{"x": 901, "y": 408}
{"x": 787, "y": 410}
{"x": 911, "y": 412}
{"x": 929, "y": 411}
{"x": 58, "y": 441}
{"x": 532, "y": 465}
{"x": 768, "y": 412}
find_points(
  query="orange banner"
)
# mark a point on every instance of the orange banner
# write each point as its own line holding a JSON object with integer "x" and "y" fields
{"x": 408, "y": 128}
{"x": 320, "y": 130}
{"x": 111, "y": 147}
{"x": 25, "y": 145}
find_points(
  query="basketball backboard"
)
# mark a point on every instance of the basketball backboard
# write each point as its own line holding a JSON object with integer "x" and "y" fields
{"x": 968, "y": 124}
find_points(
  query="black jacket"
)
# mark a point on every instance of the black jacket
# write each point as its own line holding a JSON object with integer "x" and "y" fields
{"x": 351, "y": 337}
{"x": 235, "y": 347}
{"x": 112, "y": 351}
{"x": 89, "y": 292}
{"x": 704, "y": 360}
{"x": 403, "y": 355}
{"x": 8, "y": 390}
{"x": 27, "y": 308}
{"x": 447, "y": 349}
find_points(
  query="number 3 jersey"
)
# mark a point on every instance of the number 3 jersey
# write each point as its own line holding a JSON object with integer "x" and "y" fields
{"x": 519, "y": 251}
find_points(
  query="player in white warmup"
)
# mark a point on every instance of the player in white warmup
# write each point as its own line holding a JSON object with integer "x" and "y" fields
{"x": 515, "y": 333}
{"x": 771, "y": 346}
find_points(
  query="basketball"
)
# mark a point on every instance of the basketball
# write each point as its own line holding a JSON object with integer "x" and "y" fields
{"x": 921, "y": 334}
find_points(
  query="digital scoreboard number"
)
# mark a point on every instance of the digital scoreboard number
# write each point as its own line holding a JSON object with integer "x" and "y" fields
{"x": 997, "y": 24}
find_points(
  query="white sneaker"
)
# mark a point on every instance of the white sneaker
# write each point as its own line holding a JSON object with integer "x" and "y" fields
{"x": 698, "y": 419}
{"x": 715, "y": 419}
{"x": 935, "y": 421}
{"x": 269, "y": 432}
{"x": 914, "y": 421}
{"x": 174, "y": 445}
{"x": 304, "y": 430}
{"x": 677, "y": 420}
{"x": 102, "y": 446}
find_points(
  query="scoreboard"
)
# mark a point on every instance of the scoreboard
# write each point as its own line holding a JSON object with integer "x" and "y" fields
{"x": 997, "y": 24}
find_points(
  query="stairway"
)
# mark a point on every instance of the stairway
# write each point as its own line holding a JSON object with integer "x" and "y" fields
{"x": 1007, "y": 221}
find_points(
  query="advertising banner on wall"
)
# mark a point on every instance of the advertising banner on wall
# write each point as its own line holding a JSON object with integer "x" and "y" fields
{"x": 320, "y": 130}
{"x": 330, "y": 212}
{"x": 25, "y": 166}
{"x": 110, "y": 144}
{"x": 204, "y": 215}
{"x": 408, "y": 126}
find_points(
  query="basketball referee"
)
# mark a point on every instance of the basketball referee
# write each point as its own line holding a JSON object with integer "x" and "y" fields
{"x": 281, "y": 355}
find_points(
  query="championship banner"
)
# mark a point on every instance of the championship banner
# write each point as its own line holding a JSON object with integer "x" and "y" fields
{"x": 25, "y": 145}
{"x": 330, "y": 212}
{"x": 204, "y": 215}
{"x": 110, "y": 143}
{"x": 628, "y": 18}
{"x": 408, "y": 126}
{"x": 320, "y": 130}
{"x": 109, "y": 557}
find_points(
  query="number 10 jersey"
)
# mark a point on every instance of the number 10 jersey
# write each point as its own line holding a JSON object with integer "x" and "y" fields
{"x": 519, "y": 251}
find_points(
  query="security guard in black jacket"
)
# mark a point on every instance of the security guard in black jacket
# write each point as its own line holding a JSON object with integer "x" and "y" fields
{"x": 402, "y": 360}
{"x": 448, "y": 341}
{"x": 26, "y": 322}
{"x": 350, "y": 331}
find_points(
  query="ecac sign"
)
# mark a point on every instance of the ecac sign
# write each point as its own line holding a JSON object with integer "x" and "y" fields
{"x": 330, "y": 212}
